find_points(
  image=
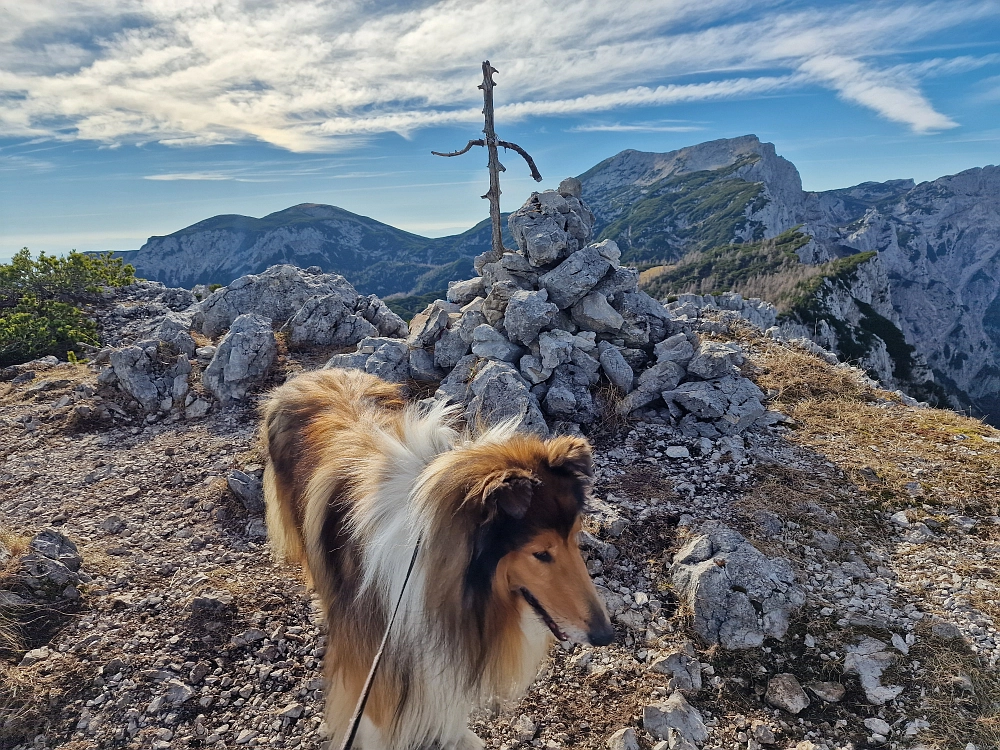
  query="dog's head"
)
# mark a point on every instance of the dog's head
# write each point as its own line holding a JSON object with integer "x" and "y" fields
{"x": 525, "y": 548}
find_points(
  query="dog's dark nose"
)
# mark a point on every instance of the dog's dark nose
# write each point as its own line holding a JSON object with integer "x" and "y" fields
{"x": 599, "y": 630}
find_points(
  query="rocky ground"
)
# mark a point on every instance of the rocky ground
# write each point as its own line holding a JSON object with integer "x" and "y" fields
{"x": 177, "y": 629}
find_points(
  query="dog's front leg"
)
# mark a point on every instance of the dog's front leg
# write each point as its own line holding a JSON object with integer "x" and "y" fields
{"x": 468, "y": 741}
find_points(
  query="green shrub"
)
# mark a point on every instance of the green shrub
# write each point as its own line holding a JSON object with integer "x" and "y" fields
{"x": 39, "y": 298}
{"x": 37, "y": 328}
{"x": 74, "y": 278}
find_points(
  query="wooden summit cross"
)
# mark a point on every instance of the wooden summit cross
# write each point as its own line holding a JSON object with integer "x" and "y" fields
{"x": 491, "y": 142}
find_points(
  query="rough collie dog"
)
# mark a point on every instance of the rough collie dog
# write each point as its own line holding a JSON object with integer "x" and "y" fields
{"x": 355, "y": 478}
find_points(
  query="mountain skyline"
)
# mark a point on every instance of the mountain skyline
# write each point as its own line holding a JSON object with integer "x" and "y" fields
{"x": 123, "y": 120}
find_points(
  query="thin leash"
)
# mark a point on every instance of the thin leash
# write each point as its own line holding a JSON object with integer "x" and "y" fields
{"x": 363, "y": 700}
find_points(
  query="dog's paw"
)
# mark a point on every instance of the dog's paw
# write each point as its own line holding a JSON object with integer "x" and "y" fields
{"x": 469, "y": 741}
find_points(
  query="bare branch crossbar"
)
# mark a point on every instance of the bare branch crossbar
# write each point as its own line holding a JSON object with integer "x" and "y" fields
{"x": 491, "y": 142}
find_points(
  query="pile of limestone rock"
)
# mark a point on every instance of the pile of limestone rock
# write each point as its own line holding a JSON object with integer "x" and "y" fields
{"x": 559, "y": 334}
{"x": 155, "y": 359}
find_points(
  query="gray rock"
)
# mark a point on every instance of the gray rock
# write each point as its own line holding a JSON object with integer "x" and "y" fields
{"x": 134, "y": 370}
{"x": 676, "y": 348}
{"x": 532, "y": 370}
{"x": 243, "y": 359}
{"x": 376, "y": 312}
{"x": 449, "y": 349}
{"x": 785, "y": 692}
{"x": 248, "y": 489}
{"x": 388, "y": 359}
{"x": 623, "y": 739}
{"x": 427, "y": 326}
{"x": 489, "y": 343}
{"x": 555, "y": 348}
{"x": 550, "y": 226}
{"x": 646, "y": 320}
{"x": 716, "y": 360}
{"x": 422, "y": 366}
{"x": 700, "y": 398}
{"x": 499, "y": 393}
{"x": 868, "y": 659}
{"x": 617, "y": 281}
{"x": 676, "y": 714}
{"x": 524, "y": 728}
{"x": 527, "y": 313}
{"x": 347, "y": 361}
{"x": 609, "y": 251}
{"x": 733, "y": 403}
{"x": 663, "y": 376}
{"x": 211, "y": 605}
{"x": 175, "y": 329}
{"x": 463, "y": 292}
{"x": 831, "y": 692}
{"x": 593, "y": 313}
{"x": 736, "y": 594}
{"x": 277, "y": 293}
{"x": 615, "y": 367}
{"x": 50, "y": 566}
{"x": 455, "y": 387}
{"x": 197, "y": 409}
{"x": 177, "y": 691}
{"x": 683, "y": 667}
{"x": 878, "y": 726}
{"x": 572, "y": 279}
{"x": 327, "y": 321}
{"x": 571, "y": 187}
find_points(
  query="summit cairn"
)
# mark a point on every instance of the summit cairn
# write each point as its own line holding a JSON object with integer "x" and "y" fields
{"x": 535, "y": 334}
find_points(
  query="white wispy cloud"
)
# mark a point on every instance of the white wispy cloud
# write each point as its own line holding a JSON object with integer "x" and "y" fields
{"x": 634, "y": 127}
{"x": 318, "y": 75}
{"x": 196, "y": 176}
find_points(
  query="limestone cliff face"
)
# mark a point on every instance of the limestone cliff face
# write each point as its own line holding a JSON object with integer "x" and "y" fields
{"x": 940, "y": 244}
{"x": 661, "y": 206}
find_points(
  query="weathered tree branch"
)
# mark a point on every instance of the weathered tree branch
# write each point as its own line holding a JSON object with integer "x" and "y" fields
{"x": 527, "y": 157}
{"x": 469, "y": 145}
{"x": 495, "y": 167}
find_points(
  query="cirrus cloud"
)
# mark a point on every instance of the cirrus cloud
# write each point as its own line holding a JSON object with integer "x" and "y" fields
{"x": 318, "y": 75}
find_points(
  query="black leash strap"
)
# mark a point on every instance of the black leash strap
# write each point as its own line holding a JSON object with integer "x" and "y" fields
{"x": 366, "y": 690}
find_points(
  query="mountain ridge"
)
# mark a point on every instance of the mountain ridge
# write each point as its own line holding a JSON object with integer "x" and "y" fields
{"x": 659, "y": 208}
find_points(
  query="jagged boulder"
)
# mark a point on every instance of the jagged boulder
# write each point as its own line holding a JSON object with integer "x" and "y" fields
{"x": 551, "y": 226}
{"x": 154, "y": 379}
{"x": 50, "y": 567}
{"x": 327, "y": 321}
{"x": 242, "y": 360}
{"x": 277, "y": 293}
{"x": 736, "y": 594}
{"x": 499, "y": 394}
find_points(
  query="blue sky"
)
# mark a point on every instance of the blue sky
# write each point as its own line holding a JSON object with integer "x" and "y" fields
{"x": 121, "y": 119}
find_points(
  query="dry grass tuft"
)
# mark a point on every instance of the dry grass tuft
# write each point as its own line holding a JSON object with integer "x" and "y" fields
{"x": 897, "y": 454}
{"x": 20, "y": 703}
{"x": 957, "y": 716}
{"x": 610, "y": 420}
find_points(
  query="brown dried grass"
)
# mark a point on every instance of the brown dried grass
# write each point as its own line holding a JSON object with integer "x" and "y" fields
{"x": 957, "y": 717}
{"x": 882, "y": 445}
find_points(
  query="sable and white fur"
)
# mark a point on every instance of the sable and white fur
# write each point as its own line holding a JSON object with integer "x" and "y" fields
{"x": 355, "y": 478}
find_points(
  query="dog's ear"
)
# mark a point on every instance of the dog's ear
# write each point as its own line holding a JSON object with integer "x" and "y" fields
{"x": 509, "y": 491}
{"x": 571, "y": 455}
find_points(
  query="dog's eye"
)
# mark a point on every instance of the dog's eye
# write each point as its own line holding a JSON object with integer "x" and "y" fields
{"x": 543, "y": 556}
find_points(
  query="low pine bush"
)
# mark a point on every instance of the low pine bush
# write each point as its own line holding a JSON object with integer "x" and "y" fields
{"x": 42, "y": 301}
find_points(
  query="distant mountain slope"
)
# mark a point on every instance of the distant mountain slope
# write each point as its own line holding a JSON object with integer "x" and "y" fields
{"x": 933, "y": 284}
{"x": 661, "y": 206}
{"x": 375, "y": 257}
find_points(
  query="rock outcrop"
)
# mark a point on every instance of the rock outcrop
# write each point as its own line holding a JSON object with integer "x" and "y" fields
{"x": 737, "y": 595}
